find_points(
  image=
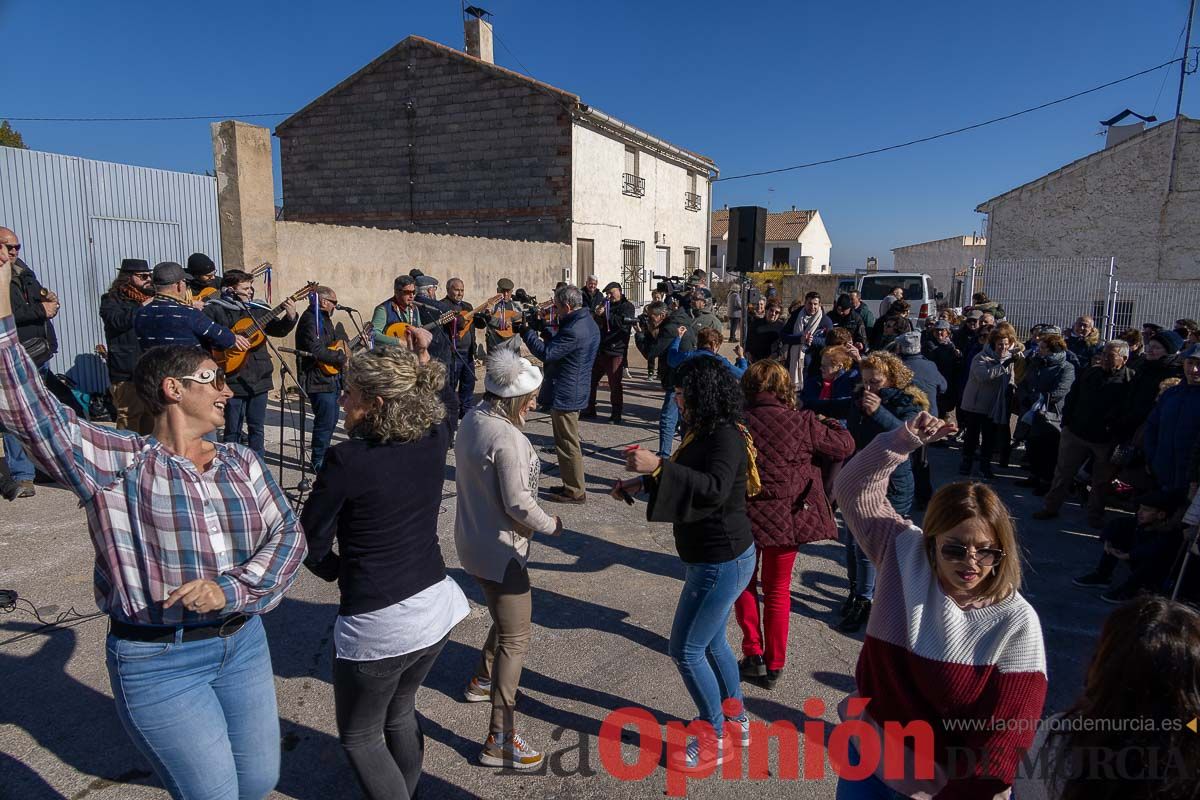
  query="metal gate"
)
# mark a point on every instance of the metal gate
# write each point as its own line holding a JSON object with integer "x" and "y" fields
{"x": 78, "y": 218}
{"x": 1053, "y": 291}
{"x": 633, "y": 269}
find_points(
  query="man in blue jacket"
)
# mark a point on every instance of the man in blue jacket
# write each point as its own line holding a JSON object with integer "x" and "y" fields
{"x": 1173, "y": 429}
{"x": 568, "y": 356}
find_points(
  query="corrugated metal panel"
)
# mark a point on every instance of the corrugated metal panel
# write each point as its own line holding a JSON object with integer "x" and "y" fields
{"x": 78, "y": 218}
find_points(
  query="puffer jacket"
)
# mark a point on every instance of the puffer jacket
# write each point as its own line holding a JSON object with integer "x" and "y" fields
{"x": 791, "y": 509}
{"x": 1172, "y": 434}
{"x": 1083, "y": 348}
{"x": 665, "y": 338}
{"x": 840, "y": 396}
{"x": 1049, "y": 377}
{"x": 987, "y": 385}
{"x": 568, "y": 357}
{"x": 1143, "y": 391}
{"x": 897, "y": 407}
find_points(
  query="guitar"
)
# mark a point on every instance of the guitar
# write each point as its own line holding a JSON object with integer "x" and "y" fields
{"x": 341, "y": 346}
{"x": 511, "y": 317}
{"x": 232, "y": 360}
{"x": 398, "y": 329}
{"x": 466, "y": 317}
{"x": 209, "y": 292}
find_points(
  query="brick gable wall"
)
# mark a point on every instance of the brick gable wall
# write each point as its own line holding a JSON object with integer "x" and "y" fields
{"x": 488, "y": 155}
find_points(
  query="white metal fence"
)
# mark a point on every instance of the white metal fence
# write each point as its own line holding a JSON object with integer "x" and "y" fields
{"x": 78, "y": 218}
{"x": 1055, "y": 291}
{"x": 1162, "y": 302}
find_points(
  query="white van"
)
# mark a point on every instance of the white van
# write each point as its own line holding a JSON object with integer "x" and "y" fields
{"x": 919, "y": 292}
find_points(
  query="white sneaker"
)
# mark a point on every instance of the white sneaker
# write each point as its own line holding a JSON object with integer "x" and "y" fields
{"x": 478, "y": 690}
{"x": 691, "y": 755}
{"x": 744, "y": 722}
{"x": 509, "y": 750}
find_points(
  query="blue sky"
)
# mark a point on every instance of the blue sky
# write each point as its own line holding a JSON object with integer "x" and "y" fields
{"x": 754, "y": 85}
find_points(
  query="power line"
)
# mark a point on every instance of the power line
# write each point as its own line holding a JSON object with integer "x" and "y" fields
{"x": 144, "y": 119}
{"x": 1163, "y": 85}
{"x": 944, "y": 134}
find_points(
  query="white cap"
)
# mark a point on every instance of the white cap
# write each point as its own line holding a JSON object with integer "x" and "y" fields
{"x": 510, "y": 375}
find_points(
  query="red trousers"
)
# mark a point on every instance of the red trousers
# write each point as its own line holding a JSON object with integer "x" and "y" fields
{"x": 775, "y": 564}
{"x": 613, "y": 368}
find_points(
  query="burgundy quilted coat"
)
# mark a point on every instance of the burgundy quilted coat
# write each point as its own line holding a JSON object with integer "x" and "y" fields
{"x": 792, "y": 508}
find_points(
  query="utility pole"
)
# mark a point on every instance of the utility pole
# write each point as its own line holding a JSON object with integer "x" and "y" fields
{"x": 1187, "y": 40}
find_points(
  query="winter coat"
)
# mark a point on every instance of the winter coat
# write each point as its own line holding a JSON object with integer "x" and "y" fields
{"x": 762, "y": 338}
{"x": 791, "y": 508}
{"x": 991, "y": 307}
{"x": 1096, "y": 406}
{"x": 29, "y": 314}
{"x": 1172, "y": 434}
{"x": 1083, "y": 348}
{"x": 569, "y": 356}
{"x": 853, "y": 323}
{"x": 662, "y": 342}
{"x": 254, "y": 375}
{"x": 897, "y": 407}
{"x": 615, "y": 321}
{"x": 949, "y": 362}
{"x": 887, "y": 328}
{"x": 987, "y": 386}
{"x": 117, "y": 312}
{"x": 1143, "y": 391}
{"x": 1049, "y": 377}
{"x": 838, "y": 404}
{"x": 313, "y": 379}
{"x": 927, "y": 378}
{"x": 705, "y": 319}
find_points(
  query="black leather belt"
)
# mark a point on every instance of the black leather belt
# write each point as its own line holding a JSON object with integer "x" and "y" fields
{"x": 166, "y": 633}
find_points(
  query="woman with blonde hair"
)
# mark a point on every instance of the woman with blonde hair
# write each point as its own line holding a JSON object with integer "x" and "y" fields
{"x": 951, "y": 642}
{"x": 496, "y": 476}
{"x": 884, "y": 402}
{"x": 377, "y": 495}
{"x": 793, "y": 447}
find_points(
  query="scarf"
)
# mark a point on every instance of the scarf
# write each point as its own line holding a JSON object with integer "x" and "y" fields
{"x": 753, "y": 481}
{"x": 796, "y": 352}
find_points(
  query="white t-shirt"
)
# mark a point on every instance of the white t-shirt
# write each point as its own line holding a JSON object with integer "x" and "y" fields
{"x": 412, "y": 624}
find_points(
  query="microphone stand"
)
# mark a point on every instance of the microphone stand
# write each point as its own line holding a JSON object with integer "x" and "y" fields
{"x": 285, "y": 372}
{"x": 350, "y": 312}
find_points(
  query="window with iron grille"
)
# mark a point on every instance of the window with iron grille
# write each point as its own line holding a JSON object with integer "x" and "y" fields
{"x": 633, "y": 269}
{"x": 691, "y": 198}
{"x": 691, "y": 258}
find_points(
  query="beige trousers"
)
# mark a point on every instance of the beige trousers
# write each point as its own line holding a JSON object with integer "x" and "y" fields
{"x": 567, "y": 447}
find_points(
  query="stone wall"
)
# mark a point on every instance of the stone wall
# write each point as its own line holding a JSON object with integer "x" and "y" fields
{"x": 1111, "y": 204}
{"x": 429, "y": 139}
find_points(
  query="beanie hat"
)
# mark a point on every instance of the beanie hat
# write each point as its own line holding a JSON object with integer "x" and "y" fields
{"x": 908, "y": 344}
{"x": 199, "y": 264}
{"x": 941, "y": 325}
{"x": 510, "y": 375}
{"x": 843, "y": 303}
{"x": 1170, "y": 340}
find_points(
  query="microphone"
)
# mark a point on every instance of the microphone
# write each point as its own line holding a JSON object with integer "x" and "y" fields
{"x": 347, "y": 308}
{"x": 295, "y": 352}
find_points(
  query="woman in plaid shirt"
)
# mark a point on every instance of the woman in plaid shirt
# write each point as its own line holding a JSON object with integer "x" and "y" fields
{"x": 193, "y": 540}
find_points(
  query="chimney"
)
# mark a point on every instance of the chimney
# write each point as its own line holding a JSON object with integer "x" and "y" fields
{"x": 479, "y": 35}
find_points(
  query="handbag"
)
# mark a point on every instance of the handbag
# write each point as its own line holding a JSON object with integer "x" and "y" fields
{"x": 1027, "y": 421}
{"x": 38, "y": 349}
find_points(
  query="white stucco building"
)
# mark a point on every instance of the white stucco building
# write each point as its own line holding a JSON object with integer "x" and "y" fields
{"x": 944, "y": 260}
{"x": 796, "y": 240}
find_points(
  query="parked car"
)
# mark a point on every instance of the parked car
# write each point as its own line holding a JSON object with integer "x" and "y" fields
{"x": 919, "y": 291}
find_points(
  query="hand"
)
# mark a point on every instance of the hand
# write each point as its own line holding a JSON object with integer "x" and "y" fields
{"x": 51, "y": 307}
{"x": 808, "y": 337}
{"x": 738, "y": 351}
{"x": 855, "y": 352}
{"x": 681, "y": 331}
{"x": 201, "y": 596}
{"x": 642, "y": 461}
{"x": 631, "y": 487}
{"x": 417, "y": 339}
{"x": 198, "y": 304}
{"x": 240, "y": 342}
{"x": 289, "y": 308}
{"x": 870, "y": 402}
{"x": 929, "y": 428}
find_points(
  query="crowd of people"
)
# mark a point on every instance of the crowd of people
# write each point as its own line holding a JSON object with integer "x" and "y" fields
{"x": 820, "y": 414}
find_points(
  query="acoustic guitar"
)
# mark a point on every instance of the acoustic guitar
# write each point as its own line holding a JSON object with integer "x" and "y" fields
{"x": 398, "y": 329}
{"x": 232, "y": 360}
{"x": 511, "y": 317}
{"x": 467, "y": 317}
{"x": 341, "y": 346}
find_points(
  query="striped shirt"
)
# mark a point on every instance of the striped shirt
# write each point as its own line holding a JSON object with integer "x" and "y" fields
{"x": 166, "y": 320}
{"x": 155, "y": 520}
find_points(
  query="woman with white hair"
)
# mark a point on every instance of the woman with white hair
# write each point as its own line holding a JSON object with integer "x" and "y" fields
{"x": 496, "y": 473}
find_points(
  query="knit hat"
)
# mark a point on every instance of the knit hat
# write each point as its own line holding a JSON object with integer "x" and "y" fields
{"x": 168, "y": 273}
{"x": 611, "y": 285}
{"x": 908, "y": 344}
{"x": 843, "y": 303}
{"x": 504, "y": 285}
{"x": 1170, "y": 340}
{"x": 510, "y": 375}
{"x": 199, "y": 264}
{"x": 941, "y": 325}
{"x": 134, "y": 265}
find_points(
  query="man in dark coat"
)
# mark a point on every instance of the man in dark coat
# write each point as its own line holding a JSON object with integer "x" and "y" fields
{"x": 130, "y": 291}
{"x": 461, "y": 375}
{"x": 615, "y": 317}
{"x": 317, "y": 337}
{"x": 251, "y": 382}
{"x": 1173, "y": 429}
{"x": 1093, "y": 414}
{"x": 929, "y": 380}
{"x": 568, "y": 356}
{"x": 592, "y": 296}
{"x": 663, "y": 331}
{"x": 844, "y": 316}
{"x": 941, "y": 350}
{"x": 34, "y": 307}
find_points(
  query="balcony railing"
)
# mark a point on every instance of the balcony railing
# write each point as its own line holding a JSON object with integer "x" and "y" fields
{"x": 632, "y": 185}
{"x": 691, "y": 201}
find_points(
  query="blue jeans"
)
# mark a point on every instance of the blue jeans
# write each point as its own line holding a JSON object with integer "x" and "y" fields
{"x": 869, "y": 788}
{"x": 203, "y": 713}
{"x": 325, "y": 417}
{"x": 461, "y": 376}
{"x": 20, "y": 467}
{"x": 668, "y": 421}
{"x": 252, "y": 411}
{"x": 860, "y": 571}
{"x": 698, "y": 645}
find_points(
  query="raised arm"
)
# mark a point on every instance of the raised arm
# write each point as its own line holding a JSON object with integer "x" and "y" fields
{"x": 258, "y": 584}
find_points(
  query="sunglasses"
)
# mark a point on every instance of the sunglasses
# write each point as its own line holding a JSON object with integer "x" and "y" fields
{"x": 16, "y": 248}
{"x": 214, "y": 376}
{"x": 409, "y": 291}
{"x": 984, "y": 557}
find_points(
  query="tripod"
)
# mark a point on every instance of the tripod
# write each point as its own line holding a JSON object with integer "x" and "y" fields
{"x": 285, "y": 372}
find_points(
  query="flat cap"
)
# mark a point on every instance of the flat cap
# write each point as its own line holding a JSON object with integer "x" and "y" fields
{"x": 167, "y": 273}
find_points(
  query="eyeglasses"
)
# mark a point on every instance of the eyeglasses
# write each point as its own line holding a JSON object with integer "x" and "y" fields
{"x": 984, "y": 557}
{"x": 214, "y": 376}
{"x": 15, "y": 248}
{"x": 408, "y": 291}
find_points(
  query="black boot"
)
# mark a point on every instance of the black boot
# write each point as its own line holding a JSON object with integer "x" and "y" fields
{"x": 752, "y": 667}
{"x": 771, "y": 678}
{"x": 857, "y": 617}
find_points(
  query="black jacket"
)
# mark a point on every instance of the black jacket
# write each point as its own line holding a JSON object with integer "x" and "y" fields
{"x": 762, "y": 336}
{"x": 702, "y": 492}
{"x": 381, "y": 501}
{"x": 1096, "y": 409}
{"x": 312, "y": 378}
{"x": 592, "y": 299}
{"x": 615, "y": 326}
{"x": 117, "y": 312}
{"x": 466, "y": 344}
{"x": 1143, "y": 390}
{"x": 852, "y": 322}
{"x": 28, "y": 312}
{"x": 254, "y": 375}
{"x": 662, "y": 342}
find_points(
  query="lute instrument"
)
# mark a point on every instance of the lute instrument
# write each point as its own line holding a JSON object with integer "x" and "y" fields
{"x": 252, "y": 328}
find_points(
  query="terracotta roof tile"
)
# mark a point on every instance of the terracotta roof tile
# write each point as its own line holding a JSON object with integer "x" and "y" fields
{"x": 781, "y": 226}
